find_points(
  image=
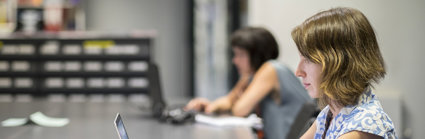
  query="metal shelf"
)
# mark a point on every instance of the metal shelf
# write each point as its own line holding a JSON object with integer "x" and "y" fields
{"x": 93, "y": 74}
{"x": 78, "y": 44}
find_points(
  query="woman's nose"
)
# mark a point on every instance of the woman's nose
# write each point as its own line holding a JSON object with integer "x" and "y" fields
{"x": 299, "y": 72}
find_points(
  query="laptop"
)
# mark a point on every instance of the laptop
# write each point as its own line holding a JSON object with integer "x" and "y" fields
{"x": 119, "y": 126}
{"x": 158, "y": 104}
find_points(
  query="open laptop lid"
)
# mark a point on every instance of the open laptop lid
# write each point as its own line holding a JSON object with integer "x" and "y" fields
{"x": 155, "y": 93}
{"x": 119, "y": 126}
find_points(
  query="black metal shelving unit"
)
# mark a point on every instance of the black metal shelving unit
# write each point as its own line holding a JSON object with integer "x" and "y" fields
{"x": 80, "y": 64}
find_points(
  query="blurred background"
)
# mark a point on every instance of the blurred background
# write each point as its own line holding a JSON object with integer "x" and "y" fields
{"x": 190, "y": 40}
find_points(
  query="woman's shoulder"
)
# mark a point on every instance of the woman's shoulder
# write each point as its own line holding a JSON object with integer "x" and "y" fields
{"x": 369, "y": 118}
{"x": 321, "y": 118}
{"x": 267, "y": 67}
{"x": 277, "y": 65}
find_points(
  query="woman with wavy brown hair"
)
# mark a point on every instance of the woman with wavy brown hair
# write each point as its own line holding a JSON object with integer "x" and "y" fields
{"x": 340, "y": 60}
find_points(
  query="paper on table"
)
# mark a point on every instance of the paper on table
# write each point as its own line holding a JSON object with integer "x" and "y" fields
{"x": 14, "y": 122}
{"x": 250, "y": 121}
{"x": 37, "y": 118}
{"x": 43, "y": 120}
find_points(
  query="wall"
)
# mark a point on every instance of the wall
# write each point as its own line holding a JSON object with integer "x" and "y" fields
{"x": 170, "y": 19}
{"x": 400, "y": 28}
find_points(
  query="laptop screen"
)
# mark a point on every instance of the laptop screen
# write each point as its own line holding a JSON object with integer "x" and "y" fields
{"x": 119, "y": 126}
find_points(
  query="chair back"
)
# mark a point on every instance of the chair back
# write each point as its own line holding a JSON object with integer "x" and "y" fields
{"x": 304, "y": 120}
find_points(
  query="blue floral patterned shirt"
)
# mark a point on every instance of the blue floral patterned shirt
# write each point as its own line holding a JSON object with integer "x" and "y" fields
{"x": 367, "y": 116}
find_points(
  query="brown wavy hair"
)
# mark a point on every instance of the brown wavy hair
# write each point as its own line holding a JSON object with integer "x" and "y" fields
{"x": 344, "y": 43}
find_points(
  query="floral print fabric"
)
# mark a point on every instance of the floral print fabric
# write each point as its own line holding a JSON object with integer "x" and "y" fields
{"x": 367, "y": 116}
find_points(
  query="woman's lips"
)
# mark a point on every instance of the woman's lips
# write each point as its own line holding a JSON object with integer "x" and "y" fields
{"x": 306, "y": 85}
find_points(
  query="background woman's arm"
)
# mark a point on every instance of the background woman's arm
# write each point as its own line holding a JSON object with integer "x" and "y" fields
{"x": 225, "y": 103}
{"x": 265, "y": 79}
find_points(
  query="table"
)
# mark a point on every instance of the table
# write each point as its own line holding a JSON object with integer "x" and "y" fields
{"x": 94, "y": 120}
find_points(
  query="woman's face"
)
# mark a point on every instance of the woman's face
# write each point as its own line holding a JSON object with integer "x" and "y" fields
{"x": 311, "y": 76}
{"x": 242, "y": 61}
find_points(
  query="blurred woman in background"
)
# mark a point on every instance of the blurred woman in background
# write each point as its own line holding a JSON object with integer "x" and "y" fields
{"x": 263, "y": 82}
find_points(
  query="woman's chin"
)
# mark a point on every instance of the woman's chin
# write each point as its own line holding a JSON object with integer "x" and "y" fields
{"x": 312, "y": 94}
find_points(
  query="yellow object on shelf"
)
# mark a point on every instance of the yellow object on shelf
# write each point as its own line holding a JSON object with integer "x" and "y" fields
{"x": 99, "y": 44}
